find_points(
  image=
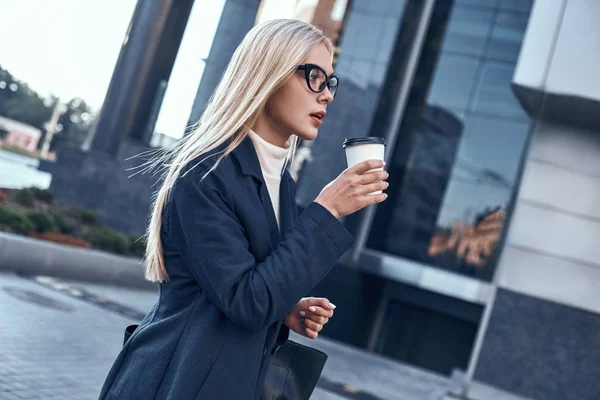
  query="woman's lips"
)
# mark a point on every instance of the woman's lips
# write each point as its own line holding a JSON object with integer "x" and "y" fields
{"x": 318, "y": 121}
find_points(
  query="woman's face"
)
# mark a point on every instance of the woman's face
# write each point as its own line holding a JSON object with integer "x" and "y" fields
{"x": 294, "y": 108}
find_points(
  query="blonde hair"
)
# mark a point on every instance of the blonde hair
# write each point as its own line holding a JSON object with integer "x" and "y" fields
{"x": 262, "y": 63}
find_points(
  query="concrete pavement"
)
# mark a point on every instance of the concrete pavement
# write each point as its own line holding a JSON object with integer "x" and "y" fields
{"x": 58, "y": 339}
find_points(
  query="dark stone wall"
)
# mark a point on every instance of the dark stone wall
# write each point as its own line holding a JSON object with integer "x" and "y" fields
{"x": 540, "y": 349}
{"x": 100, "y": 182}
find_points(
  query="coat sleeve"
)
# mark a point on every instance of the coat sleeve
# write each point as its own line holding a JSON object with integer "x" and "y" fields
{"x": 210, "y": 238}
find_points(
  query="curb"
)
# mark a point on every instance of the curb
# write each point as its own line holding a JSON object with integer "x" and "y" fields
{"x": 37, "y": 257}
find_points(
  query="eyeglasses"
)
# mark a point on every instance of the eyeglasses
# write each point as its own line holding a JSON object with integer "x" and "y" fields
{"x": 317, "y": 79}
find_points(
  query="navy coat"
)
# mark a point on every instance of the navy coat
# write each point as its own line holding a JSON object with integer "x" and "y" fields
{"x": 232, "y": 279}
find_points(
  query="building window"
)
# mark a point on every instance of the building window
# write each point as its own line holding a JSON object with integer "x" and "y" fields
{"x": 454, "y": 168}
{"x": 326, "y": 14}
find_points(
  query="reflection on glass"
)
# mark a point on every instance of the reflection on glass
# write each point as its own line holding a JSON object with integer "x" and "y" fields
{"x": 473, "y": 212}
{"x": 494, "y": 95}
{"x": 516, "y": 5}
{"x": 467, "y": 31}
{"x": 478, "y": 3}
{"x": 453, "y": 81}
{"x": 454, "y": 167}
{"x": 326, "y": 14}
{"x": 450, "y": 210}
{"x": 507, "y": 36}
{"x": 417, "y": 205}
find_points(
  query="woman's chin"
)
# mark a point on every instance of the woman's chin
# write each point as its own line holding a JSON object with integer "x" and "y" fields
{"x": 309, "y": 135}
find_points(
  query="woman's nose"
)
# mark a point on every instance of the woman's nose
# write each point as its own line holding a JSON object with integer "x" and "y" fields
{"x": 326, "y": 96}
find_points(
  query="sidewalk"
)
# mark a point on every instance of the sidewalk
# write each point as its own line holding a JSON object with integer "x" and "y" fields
{"x": 58, "y": 340}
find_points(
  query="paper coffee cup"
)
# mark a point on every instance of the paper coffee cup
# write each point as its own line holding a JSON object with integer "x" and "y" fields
{"x": 363, "y": 149}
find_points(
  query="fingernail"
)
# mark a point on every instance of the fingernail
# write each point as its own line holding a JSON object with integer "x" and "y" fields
{"x": 332, "y": 305}
{"x": 313, "y": 309}
{"x": 302, "y": 313}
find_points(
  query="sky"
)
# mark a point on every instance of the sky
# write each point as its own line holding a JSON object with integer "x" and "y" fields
{"x": 65, "y": 47}
{"x": 69, "y": 48}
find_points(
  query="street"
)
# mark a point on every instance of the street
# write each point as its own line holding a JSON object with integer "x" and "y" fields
{"x": 59, "y": 339}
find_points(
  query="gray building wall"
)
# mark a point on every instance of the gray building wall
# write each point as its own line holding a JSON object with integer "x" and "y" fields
{"x": 544, "y": 330}
{"x": 560, "y": 59}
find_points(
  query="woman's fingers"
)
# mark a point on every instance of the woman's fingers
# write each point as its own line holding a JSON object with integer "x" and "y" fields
{"x": 313, "y": 326}
{"x": 371, "y": 177}
{"x": 373, "y": 187}
{"x": 318, "y": 319}
{"x": 368, "y": 199}
{"x": 318, "y": 311}
{"x": 311, "y": 334}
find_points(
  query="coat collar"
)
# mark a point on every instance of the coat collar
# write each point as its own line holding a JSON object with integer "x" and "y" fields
{"x": 246, "y": 156}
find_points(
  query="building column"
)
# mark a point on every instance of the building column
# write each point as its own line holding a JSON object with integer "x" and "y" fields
{"x": 143, "y": 67}
{"x": 237, "y": 18}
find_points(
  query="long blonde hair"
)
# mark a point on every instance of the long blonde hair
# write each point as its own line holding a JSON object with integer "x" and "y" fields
{"x": 262, "y": 63}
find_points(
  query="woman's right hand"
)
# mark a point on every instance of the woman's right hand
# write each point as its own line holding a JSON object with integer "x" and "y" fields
{"x": 352, "y": 190}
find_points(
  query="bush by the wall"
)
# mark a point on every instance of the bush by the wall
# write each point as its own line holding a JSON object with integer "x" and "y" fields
{"x": 15, "y": 220}
{"x": 64, "y": 223}
{"x": 107, "y": 240}
{"x": 43, "y": 195}
{"x": 42, "y": 221}
{"x": 25, "y": 197}
{"x": 87, "y": 217}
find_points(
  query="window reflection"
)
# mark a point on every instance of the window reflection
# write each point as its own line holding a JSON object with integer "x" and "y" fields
{"x": 454, "y": 167}
{"x": 507, "y": 36}
{"x": 474, "y": 209}
{"x": 494, "y": 95}
{"x": 467, "y": 31}
{"x": 326, "y": 14}
{"x": 516, "y": 5}
{"x": 453, "y": 81}
{"x": 478, "y": 3}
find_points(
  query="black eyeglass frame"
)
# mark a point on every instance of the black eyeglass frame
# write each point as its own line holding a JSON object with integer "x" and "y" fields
{"x": 309, "y": 67}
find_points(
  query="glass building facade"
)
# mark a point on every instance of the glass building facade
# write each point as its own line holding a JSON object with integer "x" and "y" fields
{"x": 457, "y": 153}
{"x": 455, "y": 159}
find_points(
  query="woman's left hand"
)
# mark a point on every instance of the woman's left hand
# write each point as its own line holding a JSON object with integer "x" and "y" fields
{"x": 309, "y": 315}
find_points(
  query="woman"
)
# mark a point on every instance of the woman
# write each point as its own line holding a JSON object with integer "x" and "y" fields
{"x": 231, "y": 256}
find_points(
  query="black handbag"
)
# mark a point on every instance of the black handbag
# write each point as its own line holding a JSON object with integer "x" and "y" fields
{"x": 293, "y": 373}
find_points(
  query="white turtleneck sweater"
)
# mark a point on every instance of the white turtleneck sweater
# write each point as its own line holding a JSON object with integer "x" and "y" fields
{"x": 272, "y": 160}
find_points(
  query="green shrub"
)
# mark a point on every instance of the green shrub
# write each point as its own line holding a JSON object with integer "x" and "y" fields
{"x": 25, "y": 197}
{"x": 64, "y": 223}
{"x": 42, "y": 221}
{"x": 87, "y": 217}
{"x": 90, "y": 217}
{"x": 137, "y": 245}
{"x": 43, "y": 195}
{"x": 15, "y": 220}
{"x": 107, "y": 240}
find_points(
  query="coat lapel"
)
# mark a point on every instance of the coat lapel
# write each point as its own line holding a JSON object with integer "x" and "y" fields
{"x": 288, "y": 210}
{"x": 248, "y": 159}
